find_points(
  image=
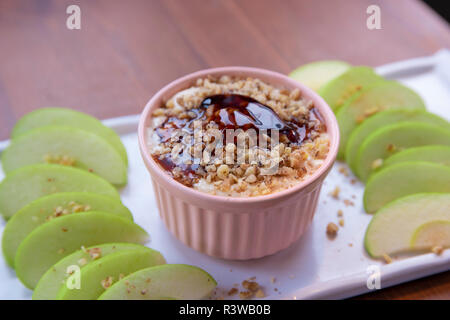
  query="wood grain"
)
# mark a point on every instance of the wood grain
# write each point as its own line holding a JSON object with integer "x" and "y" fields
{"x": 127, "y": 50}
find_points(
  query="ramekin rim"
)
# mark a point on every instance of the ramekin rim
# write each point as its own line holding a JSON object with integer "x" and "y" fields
{"x": 324, "y": 109}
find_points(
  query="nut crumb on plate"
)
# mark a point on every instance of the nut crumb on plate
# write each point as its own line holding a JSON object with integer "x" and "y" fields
{"x": 332, "y": 230}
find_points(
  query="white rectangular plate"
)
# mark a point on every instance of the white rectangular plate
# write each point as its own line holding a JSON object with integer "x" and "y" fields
{"x": 314, "y": 267}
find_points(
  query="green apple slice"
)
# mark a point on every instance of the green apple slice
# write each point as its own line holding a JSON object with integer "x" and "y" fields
{"x": 338, "y": 90}
{"x": 316, "y": 74}
{"x": 26, "y": 184}
{"x": 385, "y": 141}
{"x": 432, "y": 234}
{"x": 52, "y": 281}
{"x": 71, "y": 118}
{"x": 66, "y": 145}
{"x": 402, "y": 179}
{"x": 54, "y": 240}
{"x": 393, "y": 226}
{"x": 102, "y": 273}
{"x": 436, "y": 154}
{"x": 378, "y": 97}
{"x": 178, "y": 281}
{"x": 381, "y": 119}
{"x": 49, "y": 207}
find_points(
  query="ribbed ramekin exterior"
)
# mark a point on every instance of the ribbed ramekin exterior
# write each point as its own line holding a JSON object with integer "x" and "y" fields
{"x": 240, "y": 236}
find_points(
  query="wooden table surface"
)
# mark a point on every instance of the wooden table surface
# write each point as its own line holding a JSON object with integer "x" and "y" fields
{"x": 126, "y": 50}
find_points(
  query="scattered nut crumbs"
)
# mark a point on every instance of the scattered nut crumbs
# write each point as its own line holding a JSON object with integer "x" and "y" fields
{"x": 72, "y": 207}
{"x": 350, "y": 244}
{"x": 62, "y": 160}
{"x": 107, "y": 282}
{"x": 82, "y": 262}
{"x": 250, "y": 285}
{"x": 232, "y": 291}
{"x": 390, "y": 147}
{"x": 341, "y": 222}
{"x": 353, "y": 181}
{"x": 437, "y": 250}
{"x": 260, "y": 293}
{"x": 332, "y": 230}
{"x": 387, "y": 258}
{"x": 348, "y": 203}
{"x": 95, "y": 253}
{"x": 273, "y": 280}
{"x": 377, "y": 163}
{"x": 335, "y": 193}
{"x": 340, "y": 213}
{"x": 344, "y": 171}
{"x": 245, "y": 294}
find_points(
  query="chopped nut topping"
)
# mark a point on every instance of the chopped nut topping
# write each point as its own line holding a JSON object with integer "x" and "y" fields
{"x": 106, "y": 283}
{"x": 340, "y": 213}
{"x": 62, "y": 160}
{"x": 437, "y": 250}
{"x": 348, "y": 203}
{"x": 260, "y": 294}
{"x": 250, "y": 285}
{"x": 335, "y": 193}
{"x": 387, "y": 258}
{"x": 344, "y": 171}
{"x": 391, "y": 147}
{"x": 222, "y": 172}
{"x": 377, "y": 163}
{"x": 341, "y": 222}
{"x": 332, "y": 230}
{"x": 95, "y": 253}
{"x": 232, "y": 291}
{"x": 245, "y": 294}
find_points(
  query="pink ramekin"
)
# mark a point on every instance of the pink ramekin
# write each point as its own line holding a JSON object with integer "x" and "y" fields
{"x": 236, "y": 228}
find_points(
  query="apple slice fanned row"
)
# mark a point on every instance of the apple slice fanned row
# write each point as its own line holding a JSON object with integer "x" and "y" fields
{"x": 413, "y": 223}
{"x": 53, "y": 240}
{"x": 401, "y": 151}
{"x": 57, "y": 276}
{"x": 50, "y": 207}
{"x": 101, "y": 274}
{"x": 383, "y": 119}
{"x": 388, "y": 140}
